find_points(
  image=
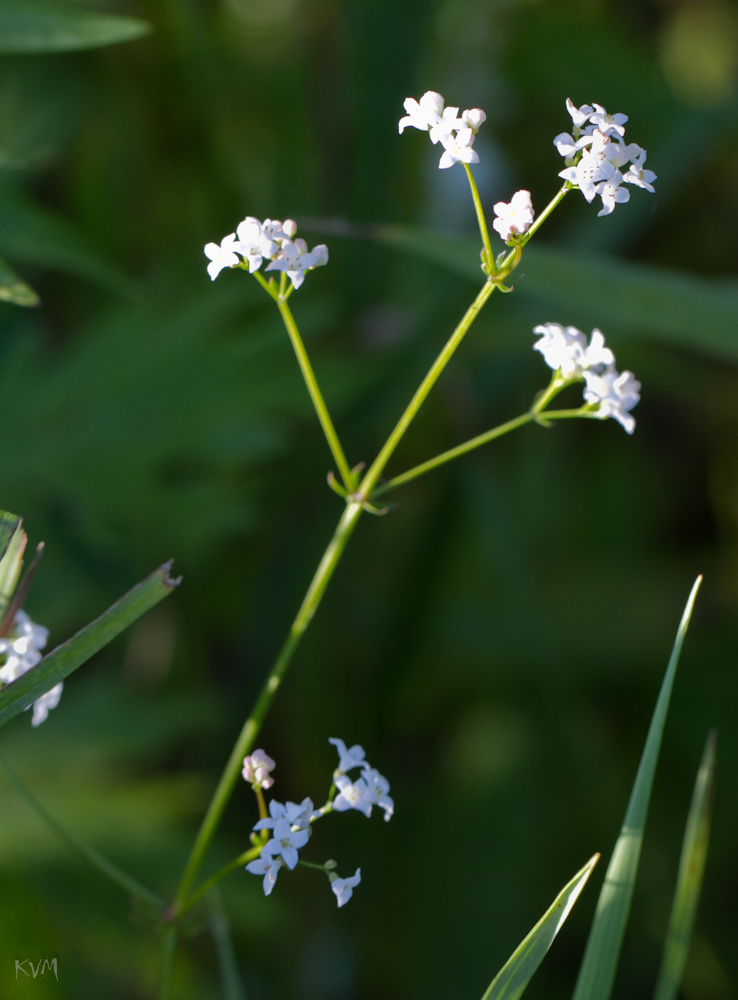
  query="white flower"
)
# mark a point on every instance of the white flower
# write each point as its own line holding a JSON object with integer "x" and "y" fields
{"x": 593, "y": 166}
{"x": 299, "y": 816}
{"x": 267, "y": 866}
{"x": 289, "y": 226}
{"x": 274, "y": 229}
{"x": 43, "y": 705}
{"x": 608, "y": 123}
{"x": 638, "y": 175}
{"x": 253, "y": 243}
{"x": 286, "y": 842}
{"x": 354, "y": 795}
{"x": 579, "y": 115}
{"x": 378, "y": 791}
{"x": 423, "y": 114}
{"x": 347, "y": 759}
{"x": 277, "y": 811}
{"x": 344, "y": 887}
{"x": 256, "y": 768}
{"x": 295, "y": 260}
{"x": 222, "y": 256}
{"x": 567, "y": 146}
{"x": 515, "y": 218}
{"x": 446, "y": 124}
{"x": 616, "y": 393}
{"x": 612, "y": 194}
{"x": 458, "y": 149}
{"x": 474, "y": 118}
{"x": 597, "y": 354}
{"x": 563, "y": 348}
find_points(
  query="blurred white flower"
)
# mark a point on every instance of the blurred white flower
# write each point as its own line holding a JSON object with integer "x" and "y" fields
{"x": 579, "y": 116}
{"x": 295, "y": 259}
{"x": 253, "y": 243}
{"x": 277, "y": 811}
{"x": 378, "y": 791}
{"x": 352, "y": 795}
{"x": 423, "y": 114}
{"x": 444, "y": 126}
{"x": 222, "y": 256}
{"x": 298, "y": 816}
{"x": 615, "y": 393}
{"x": 638, "y": 175}
{"x": 274, "y": 229}
{"x": 458, "y": 149}
{"x": 565, "y": 350}
{"x": 347, "y": 759}
{"x": 286, "y": 842}
{"x": 474, "y": 118}
{"x": 267, "y": 866}
{"x": 256, "y": 768}
{"x": 514, "y": 218}
{"x": 608, "y": 123}
{"x": 567, "y": 146}
{"x": 612, "y": 194}
{"x": 597, "y": 354}
{"x": 344, "y": 887}
{"x": 43, "y": 705}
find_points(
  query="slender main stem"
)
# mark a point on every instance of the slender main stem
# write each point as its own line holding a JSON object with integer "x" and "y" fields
{"x": 315, "y": 394}
{"x": 252, "y": 725}
{"x": 481, "y": 220}
{"x": 168, "y": 947}
{"x": 556, "y": 200}
{"x": 461, "y": 449}
{"x": 377, "y": 467}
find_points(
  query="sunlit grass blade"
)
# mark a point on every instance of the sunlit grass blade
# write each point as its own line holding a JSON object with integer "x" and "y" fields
{"x": 597, "y": 973}
{"x": 74, "y": 843}
{"x": 9, "y": 525}
{"x": 14, "y": 289}
{"x": 512, "y": 979}
{"x": 220, "y": 928}
{"x": 46, "y": 26}
{"x": 72, "y": 654}
{"x": 689, "y": 881}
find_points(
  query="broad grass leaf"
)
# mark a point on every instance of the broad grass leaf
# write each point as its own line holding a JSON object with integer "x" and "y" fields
{"x": 14, "y": 289}
{"x": 689, "y": 880}
{"x": 33, "y": 26}
{"x": 65, "y": 659}
{"x": 597, "y": 973}
{"x": 512, "y": 979}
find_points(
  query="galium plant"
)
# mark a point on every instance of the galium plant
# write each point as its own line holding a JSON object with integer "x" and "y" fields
{"x": 598, "y": 162}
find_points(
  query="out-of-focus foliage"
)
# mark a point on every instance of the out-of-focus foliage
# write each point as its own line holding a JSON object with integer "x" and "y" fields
{"x": 496, "y": 642}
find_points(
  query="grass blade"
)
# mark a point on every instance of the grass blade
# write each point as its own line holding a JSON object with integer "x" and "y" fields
{"x": 14, "y": 289}
{"x": 72, "y": 841}
{"x": 220, "y": 928}
{"x": 689, "y": 881}
{"x": 46, "y": 26}
{"x": 597, "y": 973}
{"x": 65, "y": 659}
{"x": 512, "y": 979}
{"x": 9, "y": 525}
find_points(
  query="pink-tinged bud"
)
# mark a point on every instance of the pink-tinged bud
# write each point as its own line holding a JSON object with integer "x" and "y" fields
{"x": 256, "y": 768}
{"x": 474, "y": 118}
{"x": 289, "y": 227}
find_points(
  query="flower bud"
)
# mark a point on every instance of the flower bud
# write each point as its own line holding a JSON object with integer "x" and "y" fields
{"x": 474, "y": 118}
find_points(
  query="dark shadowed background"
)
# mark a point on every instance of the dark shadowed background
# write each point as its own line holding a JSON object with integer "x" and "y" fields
{"x": 496, "y": 643}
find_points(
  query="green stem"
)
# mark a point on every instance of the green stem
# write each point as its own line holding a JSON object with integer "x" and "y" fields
{"x": 168, "y": 947}
{"x": 309, "y": 864}
{"x": 483, "y": 231}
{"x": 241, "y": 861}
{"x": 80, "y": 847}
{"x": 377, "y": 467}
{"x": 565, "y": 414}
{"x": 556, "y": 200}
{"x": 452, "y": 453}
{"x": 315, "y": 394}
{"x": 252, "y": 725}
{"x": 267, "y": 286}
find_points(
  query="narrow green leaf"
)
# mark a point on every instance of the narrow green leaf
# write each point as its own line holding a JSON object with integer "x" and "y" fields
{"x": 72, "y": 841}
{"x": 220, "y": 928}
{"x": 9, "y": 524}
{"x": 597, "y": 973}
{"x": 13, "y": 289}
{"x": 30, "y": 26}
{"x": 512, "y": 979}
{"x": 72, "y": 654}
{"x": 689, "y": 881}
{"x": 639, "y": 299}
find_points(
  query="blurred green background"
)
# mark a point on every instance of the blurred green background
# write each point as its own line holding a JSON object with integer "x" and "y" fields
{"x": 496, "y": 643}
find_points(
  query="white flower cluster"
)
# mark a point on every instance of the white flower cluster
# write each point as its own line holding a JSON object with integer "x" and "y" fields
{"x": 272, "y": 240}
{"x": 290, "y": 823}
{"x": 514, "y": 217}
{"x": 565, "y": 349}
{"x": 456, "y": 134}
{"x": 19, "y": 653}
{"x": 594, "y": 153}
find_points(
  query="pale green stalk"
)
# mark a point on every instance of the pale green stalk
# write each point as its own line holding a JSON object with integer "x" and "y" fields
{"x": 168, "y": 947}
{"x": 689, "y": 880}
{"x": 74, "y": 843}
{"x": 597, "y": 973}
{"x": 481, "y": 220}
{"x": 555, "y": 201}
